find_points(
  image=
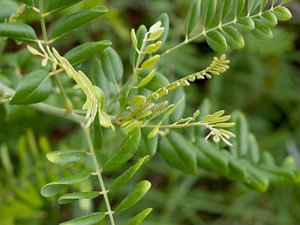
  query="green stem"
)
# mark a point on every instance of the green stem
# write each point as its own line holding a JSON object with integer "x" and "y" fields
{"x": 47, "y": 108}
{"x": 171, "y": 126}
{"x": 101, "y": 182}
{"x": 42, "y": 19}
{"x": 68, "y": 103}
{"x": 135, "y": 73}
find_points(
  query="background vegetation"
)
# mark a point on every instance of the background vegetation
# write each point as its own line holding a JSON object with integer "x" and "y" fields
{"x": 263, "y": 83}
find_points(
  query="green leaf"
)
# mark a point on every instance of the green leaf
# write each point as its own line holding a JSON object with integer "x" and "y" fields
{"x": 212, "y": 153}
{"x": 238, "y": 7}
{"x": 140, "y": 35}
{"x": 268, "y": 20}
{"x": 112, "y": 65}
{"x": 147, "y": 79}
{"x": 245, "y": 24}
{"x": 158, "y": 81}
{"x": 252, "y": 5}
{"x": 233, "y": 38}
{"x": 136, "y": 195}
{"x": 237, "y": 170}
{"x": 55, "y": 5}
{"x": 7, "y": 8}
{"x": 154, "y": 132}
{"x": 257, "y": 180}
{"x": 206, "y": 163}
{"x": 208, "y": 10}
{"x": 71, "y": 197}
{"x": 147, "y": 146}
{"x": 98, "y": 78}
{"x": 285, "y": 1}
{"x": 140, "y": 217}
{"x": 224, "y": 9}
{"x": 172, "y": 157}
{"x": 68, "y": 24}
{"x": 216, "y": 41}
{"x": 165, "y": 24}
{"x": 127, "y": 175}
{"x": 65, "y": 156}
{"x": 267, "y": 159}
{"x": 153, "y": 47}
{"x": 286, "y": 173}
{"x": 138, "y": 100}
{"x": 86, "y": 220}
{"x": 98, "y": 135}
{"x": 19, "y": 32}
{"x": 240, "y": 143}
{"x": 54, "y": 187}
{"x": 125, "y": 151}
{"x": 34, "y": 87}
{"x": 31, "y": 3}
{"x": 282, "y": 13}
{"x": 149, "y": 63}
{"x": 192, "y": 17}
{"x": 253, "y": 149}
{"x": 180, "y": 144}
{"x": 176, "y": 97}
{"x": 85, "y": 51}
{"x": 204, "y": 110}
{"x": 261, "y": 32}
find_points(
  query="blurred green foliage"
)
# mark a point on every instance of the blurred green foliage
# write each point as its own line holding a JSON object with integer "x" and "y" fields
{"x": 263, "y": 83}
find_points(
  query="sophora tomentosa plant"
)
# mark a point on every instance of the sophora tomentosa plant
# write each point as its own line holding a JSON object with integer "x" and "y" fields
{"x": 141, "y": 104}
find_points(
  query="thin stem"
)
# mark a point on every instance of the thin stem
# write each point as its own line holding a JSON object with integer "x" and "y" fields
{"x": 171, "y": 126}
{"x": 135, "y": 73}
{"x": 68, "y": 103}
{"x": 42, "y": 19}
{"x": 101, "y": 182}
{"x": 49, "y": 109}
{"x": 203, "y": 33}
